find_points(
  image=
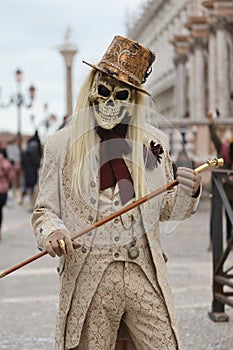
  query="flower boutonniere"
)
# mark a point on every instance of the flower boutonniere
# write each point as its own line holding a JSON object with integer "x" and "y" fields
{"x": 152, "y": 155}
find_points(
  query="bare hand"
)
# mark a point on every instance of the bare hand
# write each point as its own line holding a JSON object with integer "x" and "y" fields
{"x": 189, "y": 180}
{"x": 210, "y": 117}
{"x": 59, "y": 243}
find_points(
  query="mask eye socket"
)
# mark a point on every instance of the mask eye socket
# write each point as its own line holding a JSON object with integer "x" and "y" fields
{"x": 122, "y": 95}
{"x": 103, "y": 91}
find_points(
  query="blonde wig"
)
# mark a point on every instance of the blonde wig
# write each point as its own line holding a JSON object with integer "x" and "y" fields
{"x": 84, "y": 145}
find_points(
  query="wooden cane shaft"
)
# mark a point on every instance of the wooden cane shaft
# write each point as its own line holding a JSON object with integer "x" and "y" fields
{"x": 96, "y": 224}
{"x": 214, "y": 163}
{"x": 23, "y": 263}
{"x": 125, "y": 209}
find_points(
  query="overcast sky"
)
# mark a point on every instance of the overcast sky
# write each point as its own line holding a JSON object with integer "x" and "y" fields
{"x": 30, "y": 33}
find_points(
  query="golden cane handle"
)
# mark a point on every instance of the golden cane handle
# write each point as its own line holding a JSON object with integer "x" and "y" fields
{"x": 211, "y": 163}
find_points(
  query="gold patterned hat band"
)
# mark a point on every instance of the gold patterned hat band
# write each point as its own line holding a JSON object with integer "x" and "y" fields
{"x": 126, "y": 60}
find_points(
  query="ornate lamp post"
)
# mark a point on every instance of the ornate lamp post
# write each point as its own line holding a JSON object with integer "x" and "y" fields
{"x": 68, "y": 51}
{"x": 19, "y": 100}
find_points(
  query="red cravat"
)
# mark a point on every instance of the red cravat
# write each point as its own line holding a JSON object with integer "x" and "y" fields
{"x": 113, "y": 168}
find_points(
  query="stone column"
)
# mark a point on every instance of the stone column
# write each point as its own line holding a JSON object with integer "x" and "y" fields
{"x": 199, "y": 98}
{"x": 222, "y": 69}
{"x": 181, "y": 46}
{"x": 197, "y": 25}
{"x": 199, "y": 80}
{"x": 198, "y": 32}
{"x": 68, "y": 50}
{"x": 212, "y": 69}
{"x": 181, "y": 87}
{"x": 192, "y": 84}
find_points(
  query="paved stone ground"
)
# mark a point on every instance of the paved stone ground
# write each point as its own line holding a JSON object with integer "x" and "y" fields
{"x": 28, "y": 297}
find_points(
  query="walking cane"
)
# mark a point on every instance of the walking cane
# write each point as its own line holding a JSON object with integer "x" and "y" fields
{"x": 211, "y": 163}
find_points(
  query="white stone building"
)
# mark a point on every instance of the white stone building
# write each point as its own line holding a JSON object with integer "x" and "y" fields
{"x": 193, "y": 73}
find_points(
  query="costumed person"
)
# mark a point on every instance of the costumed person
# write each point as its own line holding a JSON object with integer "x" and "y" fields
{"x": 106, "y": 158}
{"x": 224, "y": 149}
{"x": 6, "y": 179}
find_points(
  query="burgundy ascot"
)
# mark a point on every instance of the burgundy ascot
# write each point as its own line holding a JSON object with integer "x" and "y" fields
{"x": 113, "y": 168}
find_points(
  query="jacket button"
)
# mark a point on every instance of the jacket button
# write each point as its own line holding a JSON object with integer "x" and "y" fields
{"x": 90, "y": 218}
{"x": 93, "y": 200}
{"x": 84, "y": 249}
{"x": 116, "y": 220}
{"x": 116, "y": 203}
{"x": 116, "y": 255}
{"x": 93, "y": 184}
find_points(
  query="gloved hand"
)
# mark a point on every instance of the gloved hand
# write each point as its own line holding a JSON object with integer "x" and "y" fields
{"x": 189, "y": 180}
{"x": 59, "y": 243}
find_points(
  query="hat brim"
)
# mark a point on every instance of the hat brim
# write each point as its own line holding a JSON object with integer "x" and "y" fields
{"x": 114, "y": 77}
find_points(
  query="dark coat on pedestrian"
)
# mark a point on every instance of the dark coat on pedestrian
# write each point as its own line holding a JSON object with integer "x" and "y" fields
{"x": 30, "y": 169}
{"x": 31, "y": 161}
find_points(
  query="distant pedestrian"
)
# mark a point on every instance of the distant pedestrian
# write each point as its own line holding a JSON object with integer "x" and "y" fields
{"x": 3, "y": 150}
{"x": 30, "y": 164}
{"x": 14, "y": 156}
{"x": 6, "y": 178}
{"x": 182, "y": 160}
{"x": 34, "y": 145}
{"x": 65, "y": 121}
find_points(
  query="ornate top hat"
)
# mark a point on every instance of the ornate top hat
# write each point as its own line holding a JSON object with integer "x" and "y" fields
{"x": 128, "y": 61}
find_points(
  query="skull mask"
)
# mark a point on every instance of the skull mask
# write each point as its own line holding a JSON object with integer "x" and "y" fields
{"x": 111, "y": 100}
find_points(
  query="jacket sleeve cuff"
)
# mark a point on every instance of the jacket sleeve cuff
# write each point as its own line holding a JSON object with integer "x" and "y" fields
{"x": 48, "y": 227}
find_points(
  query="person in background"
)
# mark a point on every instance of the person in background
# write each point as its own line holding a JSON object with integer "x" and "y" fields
{"x": 182, "y": 160}
{"x": 64, "y": 122}
{"x": 14, "y": 156}
{"x": 224, "y": 149}
{"x": 34, "y": 144}
{"x": 31, "y": 158}
{"x": 3, "y": 150}
{"x": 6, "y": 179}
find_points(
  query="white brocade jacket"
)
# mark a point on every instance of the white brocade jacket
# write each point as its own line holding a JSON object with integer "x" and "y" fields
{"x": 58, "y": 208}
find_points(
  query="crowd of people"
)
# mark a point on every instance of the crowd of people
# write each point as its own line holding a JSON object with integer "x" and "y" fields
{"x": 19, "y": 180}
{"x": 6, "y": 180}
{"x": 19, "y": 170}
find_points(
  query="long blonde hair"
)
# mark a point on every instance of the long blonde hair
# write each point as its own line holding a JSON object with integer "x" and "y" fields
{"x": 84, "y": 145}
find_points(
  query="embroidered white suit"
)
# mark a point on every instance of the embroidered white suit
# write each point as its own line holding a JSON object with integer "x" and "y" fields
{"x": 58, "y": 208}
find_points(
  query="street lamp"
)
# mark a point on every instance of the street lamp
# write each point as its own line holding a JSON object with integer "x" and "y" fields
{"x": 19, "y": 100}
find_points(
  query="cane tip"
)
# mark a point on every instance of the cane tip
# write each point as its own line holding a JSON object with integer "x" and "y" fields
{"x": 2, "y": 275}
